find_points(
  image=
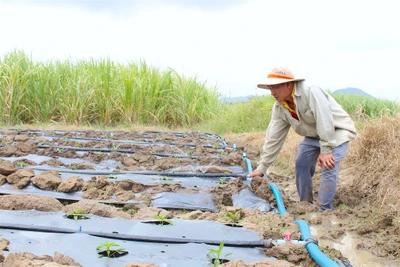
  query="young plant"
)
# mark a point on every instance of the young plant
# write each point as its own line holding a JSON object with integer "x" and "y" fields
{"x": 74, "y": 166}
{"x": 116, "y": 147}
{"x": 112, "y": 176}
{"x": 233, "y": 218}
{"x": 107, "y": 250}
{"x": 222, "y": 181}
{"x": 21, "y": 164}
{"x": 216, "y": 255}
{"x": 77, "y": 214}
{"x": 163, "y": 220}
{"x": 166, "y": 178}
{"x": 221, "y": 153}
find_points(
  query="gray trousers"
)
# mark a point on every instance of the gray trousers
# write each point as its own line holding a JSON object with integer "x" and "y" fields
{"x": 306, "y": 160}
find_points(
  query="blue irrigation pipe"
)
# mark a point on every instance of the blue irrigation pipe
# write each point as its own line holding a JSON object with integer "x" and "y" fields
{"x": 312, "y": 247}
{"x": 278, "y": 198}
{"x": 248, "y": 163}
{"x": 311, "y": 244}
{"x": 275, "y": 191}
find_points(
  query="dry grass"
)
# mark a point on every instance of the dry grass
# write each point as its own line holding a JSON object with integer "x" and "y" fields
{"x": 369, "y": 173}
{"x": 252, "y": 143}
{"x": 374, "y": 161}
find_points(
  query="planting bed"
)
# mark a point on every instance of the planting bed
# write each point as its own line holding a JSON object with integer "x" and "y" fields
{"x": 163, "y": 199}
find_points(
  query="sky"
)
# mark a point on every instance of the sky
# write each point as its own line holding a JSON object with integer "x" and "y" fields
{"x": 229, "y": 44}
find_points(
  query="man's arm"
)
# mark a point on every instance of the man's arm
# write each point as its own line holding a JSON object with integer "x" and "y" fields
{"x": 274, "y": 139}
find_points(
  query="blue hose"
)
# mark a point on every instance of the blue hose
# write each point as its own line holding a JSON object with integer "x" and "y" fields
{"x": 312, "y": 247}
{"x": 278, "y": 198}
{"x": 248, "y": 163}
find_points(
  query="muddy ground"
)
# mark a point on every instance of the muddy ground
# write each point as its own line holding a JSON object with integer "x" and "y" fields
{"x": 377, "y": 236}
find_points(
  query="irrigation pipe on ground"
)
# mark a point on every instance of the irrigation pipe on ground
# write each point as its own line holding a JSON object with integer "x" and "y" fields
{"x": 311, "y": 244}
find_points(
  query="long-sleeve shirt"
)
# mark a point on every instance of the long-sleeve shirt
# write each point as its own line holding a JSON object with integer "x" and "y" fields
{"x": 320, "y": 116}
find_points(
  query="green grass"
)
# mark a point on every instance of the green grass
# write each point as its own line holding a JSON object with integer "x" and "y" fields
{"x": 102, "y": 93}
{"x": 367, "y": 107}
{"x": 243, "y": 117}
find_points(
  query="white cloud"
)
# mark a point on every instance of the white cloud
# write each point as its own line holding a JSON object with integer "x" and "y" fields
{"x": 334, "y": 44}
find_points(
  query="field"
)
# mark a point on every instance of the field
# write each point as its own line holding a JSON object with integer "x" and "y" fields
{"x": 138, "y": 177}
{"x": 115, "y": 142}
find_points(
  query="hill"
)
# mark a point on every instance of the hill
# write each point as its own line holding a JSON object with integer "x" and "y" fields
{"x": 352, "y": 91}
{"x": 236, "y": 99}
{"x": 348, "y": 90}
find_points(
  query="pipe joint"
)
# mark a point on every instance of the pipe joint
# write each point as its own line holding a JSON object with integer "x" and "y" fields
{"x": 310, "y": 240}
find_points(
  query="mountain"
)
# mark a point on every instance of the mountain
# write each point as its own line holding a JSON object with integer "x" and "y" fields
{"x": 351, "y": 91}
{"x": 236, "y": 99}
{"x": 348, "y": 90}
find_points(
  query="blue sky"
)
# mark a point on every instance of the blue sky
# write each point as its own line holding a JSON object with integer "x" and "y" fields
{"x": 230, "y": 44}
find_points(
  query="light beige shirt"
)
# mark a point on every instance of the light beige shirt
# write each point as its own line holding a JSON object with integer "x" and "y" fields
{"x": 320, "y": 116}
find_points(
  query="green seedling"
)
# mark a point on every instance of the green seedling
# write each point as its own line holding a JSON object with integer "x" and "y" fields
{"x": 77, "y": 214}
{"x": 190, "y": 152}
{"x": 74, "y": 166}
{"x": 152, "y": 151}
{"x": 108, "y": 251}
{"x": 112, "y": 176}
{"x": 342, "y": 206}
{"x": 62, "y": 149}
{"x": 216, "y": 254}
{"x": 130, "y": 209}
{"x": 21, "y": 164}
{"x": 116, "y": 147}
{"x": 163, "y": 220}
{"x": 233, "y": 218}
{"x": 166, "y": 178}
{"x": 222, "y": 181}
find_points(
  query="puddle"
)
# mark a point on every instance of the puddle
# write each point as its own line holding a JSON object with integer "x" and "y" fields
{"x": 347, "y": 246}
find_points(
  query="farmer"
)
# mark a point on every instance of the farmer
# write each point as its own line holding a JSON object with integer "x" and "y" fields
{"x": 326, "y": 127}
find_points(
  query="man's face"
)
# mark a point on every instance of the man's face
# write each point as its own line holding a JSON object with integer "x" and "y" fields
{"x": 282, "y": 91}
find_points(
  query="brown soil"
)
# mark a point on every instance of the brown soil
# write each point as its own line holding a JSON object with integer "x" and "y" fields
{"x": 366, "y": 203}
{"x": 377, "y": 231}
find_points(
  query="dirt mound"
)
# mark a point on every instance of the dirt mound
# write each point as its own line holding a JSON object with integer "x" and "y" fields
{"x": 366, "y": 202}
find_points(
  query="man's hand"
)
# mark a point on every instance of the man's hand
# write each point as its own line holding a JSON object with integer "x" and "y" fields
{"x": 327, "y": 161}
{"x": 255, "y": 173}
